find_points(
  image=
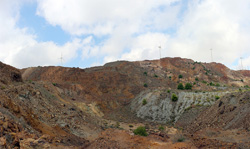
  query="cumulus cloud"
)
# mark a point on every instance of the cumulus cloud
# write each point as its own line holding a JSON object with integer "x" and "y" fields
{"x": 131, "y": 30}
{"x": 100, "y": 17}
{"x": 213, "y": 24}
{"x": 21, "y": 49}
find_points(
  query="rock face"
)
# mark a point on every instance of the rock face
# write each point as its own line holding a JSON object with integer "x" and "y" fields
{"x": 161, "y": 108}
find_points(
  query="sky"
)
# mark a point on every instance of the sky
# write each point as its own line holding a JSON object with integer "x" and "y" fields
{"x": 87, "y": 33}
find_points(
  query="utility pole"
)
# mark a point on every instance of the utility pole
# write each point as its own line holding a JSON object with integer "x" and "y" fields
{"x": 211, "y": 55}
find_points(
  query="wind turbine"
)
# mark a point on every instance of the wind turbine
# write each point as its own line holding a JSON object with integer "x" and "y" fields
{"x": 211, "y": 55}
{"x": 241, "y": 63}
{"x": 61, "y": 58}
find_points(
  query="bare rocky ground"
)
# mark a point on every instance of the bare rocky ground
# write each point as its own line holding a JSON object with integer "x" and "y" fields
{"x": 57, "y": 107}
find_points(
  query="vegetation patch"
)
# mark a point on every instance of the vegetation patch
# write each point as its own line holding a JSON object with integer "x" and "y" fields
{"x": 174, "y": 97}
{"x": 188, "y": 86}
{"x": 141, "y": 131}
{"x": 180, "y": 86}
{"x": 144, "y": 101}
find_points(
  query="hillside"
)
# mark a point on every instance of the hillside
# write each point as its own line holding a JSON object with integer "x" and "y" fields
{"x": 75, "y": 108}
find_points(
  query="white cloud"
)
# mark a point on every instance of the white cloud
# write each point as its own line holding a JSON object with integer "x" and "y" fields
{"x": 99, "y": 17}
{"x": 213, "y": 24}
{"x": 20, "y": 49}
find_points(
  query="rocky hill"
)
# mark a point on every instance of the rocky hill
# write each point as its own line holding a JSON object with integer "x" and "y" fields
{"x": 75, "y": 108}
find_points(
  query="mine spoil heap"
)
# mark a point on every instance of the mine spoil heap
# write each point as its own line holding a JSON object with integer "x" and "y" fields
{"x": 100, "y": 107}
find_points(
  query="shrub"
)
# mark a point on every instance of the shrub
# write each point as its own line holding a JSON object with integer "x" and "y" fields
{"x": 130, "y": 126}
{"x": 217, "y": 84}
{"x": 217, "y": 97}
{"x": 145, "y": 73}
{"x": 205, "y": 82}
{"x": 174, "y": 97}
{"x": 141, "y": 131}
{"x": 168, "y": 91}
{"x": 155, "y": 76}
{"x": 196, "y": 79}
{"x": 242, "y": 80}
{"x": 188, "y": 86}
{"x": 180, "y": 76}
{"x": 161, "y": 128}
{"x": 211, "y": 84}
{"x": 180, "y": 86}
{"x": 144, "y": 101}
{"x": 170, "y": 77}
{"x": 145, "y": 85}
{"x": 181, "y": 139}
{"x": 54, "y": 84}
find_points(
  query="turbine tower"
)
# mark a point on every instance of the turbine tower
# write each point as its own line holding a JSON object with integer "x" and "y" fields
{"x": 61, "y": 58}
{"x": 160, "y": 54}
{"x": 241, "y": 63}
{"x": 211, "y": 55}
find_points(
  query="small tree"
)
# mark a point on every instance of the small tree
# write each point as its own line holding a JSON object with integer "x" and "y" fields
{"x": 174, "y": 97}
{"x": 180, "y": 86}
{"x": 188, "y": 86}
{"x": 140, "y": 131}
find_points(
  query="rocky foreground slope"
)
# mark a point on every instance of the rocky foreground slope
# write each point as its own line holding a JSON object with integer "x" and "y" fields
{"x": 86, "y": 108}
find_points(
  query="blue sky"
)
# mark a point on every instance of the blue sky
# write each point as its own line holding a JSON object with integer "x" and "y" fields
{"x": 92, "y": 33}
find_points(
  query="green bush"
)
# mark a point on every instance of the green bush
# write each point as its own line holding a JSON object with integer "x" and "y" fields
{"x": 168, "y": 91}
{"x": 217, "y": 85}
{"x": 174, "y": 97}
{"x": 180, "y": 86}
{"x": 141, "y": 131}
{"x": 180, "y": 76}
{"x": 217, "y": 97}
{"x": 188, "y": 86}
{"x": 196, "y": 79}
{"x": 145, "y": 73}
{"x": 161, "y": 128}
{"x": 155, "y": 76}
{"x": 144, "y": 101}
{"x": 170, "y": 77}
{"x": 145, "y": 85}
{"x": 181, "y": 139}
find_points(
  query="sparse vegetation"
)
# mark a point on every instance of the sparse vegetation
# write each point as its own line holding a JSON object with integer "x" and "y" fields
{"x": 168, "y": 91}
{"x": 181, "y": 138}
{"x": 196, "y": 79}
{"x": 145, "y": 73}
{"x": 180, "y": 86}
{"x": 145, "y": 85}
{"x": 161, "y": 128}
{"x": 130, "y": 126}
{"x": 174, "y": 97}
{"x": 155, "y": 76}
{"x": 217, "y": 97}
{"x": 180, "y": 76}
{"x": 144, "y": 101}
{"x": 188, "y": 86}
{"x": 170, "y": 77}
{"x": 217, "y": 85}
{"x": 205, "y": 82}
{"x": 55, "y": 84}
{"x": 141, "y": 131}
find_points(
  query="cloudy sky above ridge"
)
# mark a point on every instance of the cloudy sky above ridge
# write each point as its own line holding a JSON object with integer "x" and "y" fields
{"x": 90, "y": 33}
